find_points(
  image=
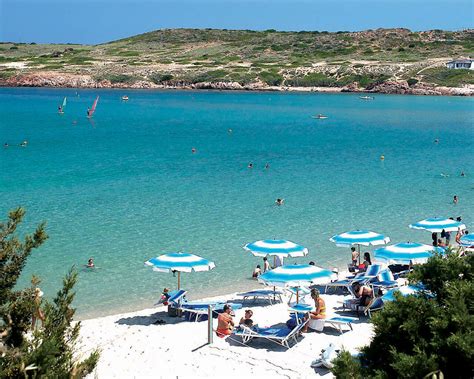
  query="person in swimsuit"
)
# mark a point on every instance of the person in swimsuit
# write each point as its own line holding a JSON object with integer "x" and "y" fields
{"x": 364, "y": 293}
{"x": 319, "y": 313}
{"x": 225, "y": 322}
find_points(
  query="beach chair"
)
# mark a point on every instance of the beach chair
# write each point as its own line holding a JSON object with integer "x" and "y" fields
{"x": 385, "y": 280}
{"x": 374, "y": 305}
{"x": 198, "y": 309}
{"x": 364, "y": 277}
{"x": 338, "y": 322}
{"x": 269, "y": 295}
{"x": 174, "y": 297}
{"x": 301, "y": 291}
{"x": 279, "y": 334}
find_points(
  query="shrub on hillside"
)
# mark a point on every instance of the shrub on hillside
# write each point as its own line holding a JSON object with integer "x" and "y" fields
{"x": 272, "y": 78}
{"x": 160, "y": 78}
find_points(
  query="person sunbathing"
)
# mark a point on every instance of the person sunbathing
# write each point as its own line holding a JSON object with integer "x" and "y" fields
{"x": 318, "y": 314}
{"x": 247, "y": 316}
{"x": 364, "y": 293}
{"x": 225, "y": 322}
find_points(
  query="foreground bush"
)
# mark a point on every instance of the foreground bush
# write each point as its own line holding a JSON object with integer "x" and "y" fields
{"x": 48, "y": 352}
{"x": 419, "y": 335}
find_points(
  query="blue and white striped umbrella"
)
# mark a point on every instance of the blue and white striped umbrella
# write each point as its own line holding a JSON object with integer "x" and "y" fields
{"x": 296, "y": 276}
{"x": 405, "y": 253}
{"x": 281, "y": 248}
{"x": 359, "y": 237}
{"x": 467, "y": 240}
{"x": 180, "y": 262}
{"x": 437, "y": 224}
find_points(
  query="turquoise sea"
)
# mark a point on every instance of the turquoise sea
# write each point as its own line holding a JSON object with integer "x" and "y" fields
{"x": 125, "y": 186}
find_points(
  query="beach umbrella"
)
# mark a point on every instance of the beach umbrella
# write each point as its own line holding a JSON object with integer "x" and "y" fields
{"x": 180, "y": 262}
{"x": 359, "y": 237}
{"x": 276, "y": 248}
{"x": 296, "y": 276}
{"x": 405, "y": 253}
{"x": 404, "y": 290}
{"x": 467, "y": 240}
{"x": 437, "y": 224}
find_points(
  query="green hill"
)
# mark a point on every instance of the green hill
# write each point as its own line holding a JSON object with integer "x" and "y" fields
{"x": 303, "y": 59}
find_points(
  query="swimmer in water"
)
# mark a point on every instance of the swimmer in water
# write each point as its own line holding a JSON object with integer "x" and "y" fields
{"x": 193, "y": 150}
{"x": 462, "y": 173}
{"x": 24, "y": 143}
{"x": 250, "y": 165}
{"x": 455, "y": 199}
{"x": 267, "y": 166}
{"x": 90, "y": 263}
{"x": 279, "y": 201}
{"x": 436, "y": 140}
{"x": 229, "y": 131}
{"x": 5, "y": 144}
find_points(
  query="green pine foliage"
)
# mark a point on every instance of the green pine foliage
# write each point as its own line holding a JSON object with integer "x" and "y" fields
{"x": 416, "y": 336}
{"x": 49, "y": 351}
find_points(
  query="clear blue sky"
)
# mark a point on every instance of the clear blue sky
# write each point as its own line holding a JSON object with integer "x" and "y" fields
{"x": 86, "y": 21}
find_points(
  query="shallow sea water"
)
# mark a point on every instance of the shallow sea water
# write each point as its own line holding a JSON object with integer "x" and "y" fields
{"x": 125, "y": 187}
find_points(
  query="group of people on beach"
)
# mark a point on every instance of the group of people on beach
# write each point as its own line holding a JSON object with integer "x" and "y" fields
{"x": 225, "y": 321}
{"x": 438, "y": 242}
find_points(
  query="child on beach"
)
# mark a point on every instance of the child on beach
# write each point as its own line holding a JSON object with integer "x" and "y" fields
{"x": 354, "y": 256}
{"x": 165, "y": 296}
{"x": 257, "y": 272}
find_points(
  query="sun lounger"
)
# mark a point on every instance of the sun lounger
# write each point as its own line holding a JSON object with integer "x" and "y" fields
{"x": 374, "y": 305}
{"x": 174, "y": 297}
{"x": 269, "y": 295}
{"x": 338, "y": 322}
{"x": 385, "y": 280}
{"x": 279, "y": 334}
{"x": 197, "y": 309}
{"x": 364, "y": 277}
{"x": 302, "y": 292}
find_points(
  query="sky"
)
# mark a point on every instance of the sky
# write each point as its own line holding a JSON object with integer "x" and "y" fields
{"x": 100, "y": 21}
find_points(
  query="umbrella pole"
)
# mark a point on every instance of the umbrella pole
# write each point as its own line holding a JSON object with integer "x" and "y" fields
{"x": 179, "y": 280}
{"x": 358, "y": 248}
{"x": 297, "y": 296}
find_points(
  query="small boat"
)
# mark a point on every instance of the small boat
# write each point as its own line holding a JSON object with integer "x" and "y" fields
{"x": 63, "y": 106}
{"x": 366, "y": 97}
{"x": 320, "y": 117}
{"x": 90, "y": 112}
{"x": 124, "y": 98}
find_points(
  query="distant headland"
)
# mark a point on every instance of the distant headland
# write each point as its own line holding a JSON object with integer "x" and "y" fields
{"x": 380, "y": 61}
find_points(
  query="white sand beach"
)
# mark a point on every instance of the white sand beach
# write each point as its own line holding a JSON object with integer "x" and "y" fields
{"x": 133, "y": 346}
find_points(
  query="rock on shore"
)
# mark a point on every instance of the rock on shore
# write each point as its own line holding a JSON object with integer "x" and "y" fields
{"x": 65, "y": 80}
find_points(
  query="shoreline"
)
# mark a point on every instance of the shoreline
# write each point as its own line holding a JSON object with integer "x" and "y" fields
{"x": 68, "y": 81}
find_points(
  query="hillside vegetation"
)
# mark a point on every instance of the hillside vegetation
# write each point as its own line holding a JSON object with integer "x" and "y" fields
{"x": 301, "y": 59}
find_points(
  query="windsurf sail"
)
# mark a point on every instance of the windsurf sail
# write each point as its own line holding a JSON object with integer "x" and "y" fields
{"x": 64, "y": 103}
{"x": 91, "y": 111}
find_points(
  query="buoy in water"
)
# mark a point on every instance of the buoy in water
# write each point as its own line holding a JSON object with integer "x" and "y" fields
{"x": 382, "y": 157}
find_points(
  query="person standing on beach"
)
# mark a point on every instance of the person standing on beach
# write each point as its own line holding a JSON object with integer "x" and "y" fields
{"x": 37, "y": 312}
{"x": 225, "y": 322}
{"x": 354, "y": 255}
{"x": 434, "y": 237}
{"x": 266, "y": 265}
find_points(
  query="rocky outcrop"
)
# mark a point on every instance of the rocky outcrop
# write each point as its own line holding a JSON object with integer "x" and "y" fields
{"x": 64, "y": 80}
